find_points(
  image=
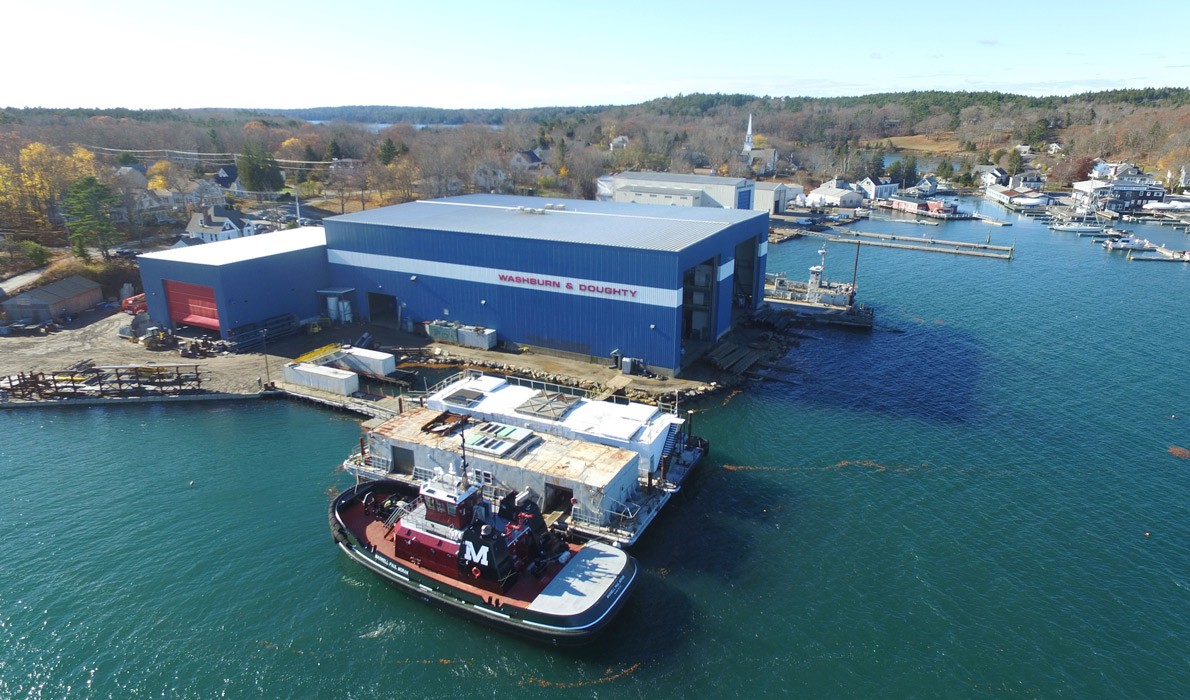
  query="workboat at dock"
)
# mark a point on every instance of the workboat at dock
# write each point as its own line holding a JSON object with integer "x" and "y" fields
{"x": 497, "y": 563}
{"x": 818, "y": 299}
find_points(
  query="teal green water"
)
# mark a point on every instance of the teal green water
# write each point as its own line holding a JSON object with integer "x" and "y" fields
{"x": 975, "y": 500}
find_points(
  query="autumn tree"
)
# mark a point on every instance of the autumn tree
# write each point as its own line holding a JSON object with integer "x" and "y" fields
{"x": 1070, "y": 170}
{"x": 88, "y": 205}
{"x": 45, "y": 173}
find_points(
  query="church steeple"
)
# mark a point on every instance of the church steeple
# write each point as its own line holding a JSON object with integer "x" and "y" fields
{"x": 748, "y": 138}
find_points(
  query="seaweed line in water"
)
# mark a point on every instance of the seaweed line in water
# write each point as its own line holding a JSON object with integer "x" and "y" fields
{"x": 1177, "y": 451}
{"x": 607, "y": 678}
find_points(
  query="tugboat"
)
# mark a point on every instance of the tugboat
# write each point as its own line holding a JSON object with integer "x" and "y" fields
{"x": 496, "y": 562}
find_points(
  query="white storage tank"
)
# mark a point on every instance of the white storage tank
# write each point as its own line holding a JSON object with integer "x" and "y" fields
{"x": 329, "y": 379}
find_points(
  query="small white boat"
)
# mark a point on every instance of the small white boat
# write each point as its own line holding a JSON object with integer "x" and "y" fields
{"x": 1128, "y": 242}
{"x": 1076, "y": 227}
{"x": 1084, "y": 224}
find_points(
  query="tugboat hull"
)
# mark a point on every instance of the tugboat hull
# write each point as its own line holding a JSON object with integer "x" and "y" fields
{"x": 570, "y": 603}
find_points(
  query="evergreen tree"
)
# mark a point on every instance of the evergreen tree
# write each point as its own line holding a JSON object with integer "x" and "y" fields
{"x": 387, "y": 152}
{"x": 88, "y": 205}
{"x": 258, "y": 170}
{"x": 910, "y": 171}
{"x": 333, "y": 151}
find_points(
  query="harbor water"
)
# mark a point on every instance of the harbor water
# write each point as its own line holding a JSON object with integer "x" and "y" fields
{"x": 978, "y": 498}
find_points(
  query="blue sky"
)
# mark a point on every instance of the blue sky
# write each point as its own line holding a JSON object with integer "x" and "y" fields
{"x": 224, "y": 53}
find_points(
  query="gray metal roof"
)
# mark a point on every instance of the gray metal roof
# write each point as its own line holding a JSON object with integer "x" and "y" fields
{"x": 687, "y": 178}
{"x": 616, "y": 224}
{"x": 54, "y": 292}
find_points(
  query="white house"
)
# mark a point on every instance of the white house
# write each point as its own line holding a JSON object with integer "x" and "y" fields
{"x": 1027, "y": 180}
{"x": 219, "y": 224}
{"x": 880, "y": 188}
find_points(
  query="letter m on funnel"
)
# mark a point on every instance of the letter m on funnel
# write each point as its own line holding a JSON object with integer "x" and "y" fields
{"x": 480, "y": 557}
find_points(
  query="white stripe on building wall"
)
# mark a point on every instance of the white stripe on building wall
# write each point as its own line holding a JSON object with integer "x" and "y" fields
{"x": 726, "y": 269}
{"x": 617, "y": 291}
{"x": 764, "y": 248}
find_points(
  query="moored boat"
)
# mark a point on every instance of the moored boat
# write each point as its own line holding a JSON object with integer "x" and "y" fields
{"x": 1128, "y": 242}
{"x": 497, "y": 563}
{"x": 818, "y": 299}
{"x": 1081, "y": 224}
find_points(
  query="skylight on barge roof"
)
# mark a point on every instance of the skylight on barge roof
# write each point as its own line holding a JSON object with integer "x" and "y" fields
{"x": 548, "y": 404}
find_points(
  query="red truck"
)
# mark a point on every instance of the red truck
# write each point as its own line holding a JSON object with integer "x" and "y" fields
{"x": 134, "y": 304}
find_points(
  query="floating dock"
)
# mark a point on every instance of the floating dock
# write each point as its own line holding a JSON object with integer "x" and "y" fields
{"x": 989, "y": 220}
{"x": 930, "y": 245}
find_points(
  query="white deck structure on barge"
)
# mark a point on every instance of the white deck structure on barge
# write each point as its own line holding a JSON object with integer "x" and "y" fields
{"x": 603, "y": 470}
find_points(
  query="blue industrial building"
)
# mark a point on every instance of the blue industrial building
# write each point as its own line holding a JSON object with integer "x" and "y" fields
{"x": 588, "y": 279}
{"x": 592, "y": 279}
{"x": 236, "y": 287}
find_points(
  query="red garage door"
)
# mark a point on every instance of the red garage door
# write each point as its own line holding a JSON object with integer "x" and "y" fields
{"x": 192, "y": 304}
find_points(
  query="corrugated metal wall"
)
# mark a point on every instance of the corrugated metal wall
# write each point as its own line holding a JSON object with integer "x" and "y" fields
{"x": 457, "y": 276}
{"x": 245, "y": 292}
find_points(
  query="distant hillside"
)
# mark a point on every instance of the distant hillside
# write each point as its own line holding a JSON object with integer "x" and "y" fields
{"x": 380, "y": 114}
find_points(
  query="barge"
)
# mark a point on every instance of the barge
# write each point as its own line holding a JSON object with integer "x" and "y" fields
{"x": 598, "y": 470}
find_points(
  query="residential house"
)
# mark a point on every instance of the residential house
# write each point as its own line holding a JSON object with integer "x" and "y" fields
{"x": 219, "y": 224}
{"x": 1054, "y": 149}
{"x": 925, "y": 187}
{"x": 227, "y": 176}
{"x": 991, "y": 175}
{"x": 618, "y": 144}
{"x": 879, "y": 188}
{"x": 1027, "y": 180}
{"x": 522, "y": 161}
{"x": 130, "y": 177}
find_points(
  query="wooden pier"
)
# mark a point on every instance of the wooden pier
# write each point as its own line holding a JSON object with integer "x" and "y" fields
{"x": 1163, "y": 255}
{"x": 989, "y": 220}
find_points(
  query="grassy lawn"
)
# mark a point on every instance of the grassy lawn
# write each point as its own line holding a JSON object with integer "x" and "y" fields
{"x": 927, "y": 144}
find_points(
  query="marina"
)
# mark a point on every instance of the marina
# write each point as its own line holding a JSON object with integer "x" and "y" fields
{"x": 857, "y": 529}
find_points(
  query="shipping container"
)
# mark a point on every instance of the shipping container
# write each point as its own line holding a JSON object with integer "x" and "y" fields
{"x": 368, "y": 361}
{"x": 329, "y": 379}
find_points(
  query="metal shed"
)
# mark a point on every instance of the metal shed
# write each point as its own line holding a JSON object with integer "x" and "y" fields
{"x": 238, "y": 288}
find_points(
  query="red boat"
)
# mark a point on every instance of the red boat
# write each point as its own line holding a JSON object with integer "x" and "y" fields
{"x": 498, "y": 563}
